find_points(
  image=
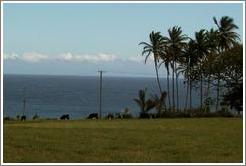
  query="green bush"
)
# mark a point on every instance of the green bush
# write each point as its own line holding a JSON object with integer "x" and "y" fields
{"x": 127, "y": 116}
{"x": 8, "y": 118}
{"x": 144, "y": 115}
{"x": 196, "y": 113}
{"x": 35, "y": 117}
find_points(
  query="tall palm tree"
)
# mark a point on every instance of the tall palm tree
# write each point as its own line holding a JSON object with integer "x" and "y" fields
{"x": 184, "y": 70}
{"x": 202, "y": 49}
{"x": 187, "y": 63}
{"x": 210, "y": 58}
{"x": 227, "y": 37}
{"x": 155, "y": 47}
{"x": 208, "y": 70}
{"x": 177, "y": 84}
{"x": 166, "y": 59}
{"x": 175, "y": 42}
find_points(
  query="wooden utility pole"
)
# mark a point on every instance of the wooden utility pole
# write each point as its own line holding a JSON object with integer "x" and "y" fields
{"x": 24, "y": 107}
{"x": 100, "y": 94}
{"x": 24, "y": 102}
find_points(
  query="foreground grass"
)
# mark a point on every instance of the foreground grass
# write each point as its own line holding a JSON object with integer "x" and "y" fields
{"x": 162, "y": 140}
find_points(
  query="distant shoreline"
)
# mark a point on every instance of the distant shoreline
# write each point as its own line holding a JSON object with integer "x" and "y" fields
{"x": 107, "y": 76}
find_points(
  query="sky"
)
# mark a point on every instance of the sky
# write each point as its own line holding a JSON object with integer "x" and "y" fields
{"x": 80, "y": 39}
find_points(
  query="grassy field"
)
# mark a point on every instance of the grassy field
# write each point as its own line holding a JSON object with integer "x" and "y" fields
{"x": 162, "y": 140}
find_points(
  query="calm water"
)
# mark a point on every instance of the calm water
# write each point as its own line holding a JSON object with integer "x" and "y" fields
{"x": 52, "y": 96}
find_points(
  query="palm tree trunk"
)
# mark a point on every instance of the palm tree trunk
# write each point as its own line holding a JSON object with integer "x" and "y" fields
{"x": 201, "y": 92}
{"x": 173, "y": 89}
{"x": 168, "y": 91}
{"x": 177, "y": 88}
{"x": 187, "y": 94}
{"x": 208, "y": 88}
{"x": 218, "y": 85}
{"x": 218, "y": 94}
{"x": 157, "y": 77}
{"x": 190, "y": 95}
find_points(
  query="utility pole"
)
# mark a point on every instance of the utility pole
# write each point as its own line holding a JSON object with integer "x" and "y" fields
{"x": 24, "y": 107}
{"x": 24, "y": 102}
{"x": 100, "y": 94}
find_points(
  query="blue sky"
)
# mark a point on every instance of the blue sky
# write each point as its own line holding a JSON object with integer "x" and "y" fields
{"x": 79, "y": 39}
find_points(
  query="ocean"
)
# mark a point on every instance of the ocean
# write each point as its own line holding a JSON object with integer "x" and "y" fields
{"x": 78, "y": 96}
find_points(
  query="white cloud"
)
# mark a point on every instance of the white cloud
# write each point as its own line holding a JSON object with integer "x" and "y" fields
{"x": 141, "y": 59}
{"x": 64, "y": 57}
{"x": 12, "y": 56}
{"x": 86, "y": 57}
{"x": 33, "y": 57}
{"x": 27, "y": 57}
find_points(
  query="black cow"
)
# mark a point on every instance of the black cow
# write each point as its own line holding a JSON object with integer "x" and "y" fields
{"x": 23, "y": 117}
{"x": 93, "y": 116}
{"x": 64, "y": 117}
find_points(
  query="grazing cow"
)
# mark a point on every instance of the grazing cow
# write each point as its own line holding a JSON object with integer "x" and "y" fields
{"x": 110, "y": 116}
{"x": 118, "y": 116}
{"x": 23, "y": 117}
{"x": 93, "y": 116}
{"x": 64, "y": 117}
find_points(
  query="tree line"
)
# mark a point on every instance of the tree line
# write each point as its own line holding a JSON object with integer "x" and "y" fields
{"x": 213, "y": 58}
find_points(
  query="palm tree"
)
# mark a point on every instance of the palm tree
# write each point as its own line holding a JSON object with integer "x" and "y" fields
{"x": 187, "y": 62}
{"x": 202, "y": 49}
{"x": 177, "y": 85}
{"x": 210, "y": 58}
{"x": 144, "y": 104}
{"x": 166, "y": 59}
{"x": 226, "y": 39}
{"x": 155, "y": 47}
{"x": 159, "y": 102}
{"x": 184, "y": 69}
{"x": 175, "y": 43}
{"x": 208, "y": 70}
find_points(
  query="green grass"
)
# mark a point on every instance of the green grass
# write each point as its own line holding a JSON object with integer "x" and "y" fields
{"x": 153, "y": 140}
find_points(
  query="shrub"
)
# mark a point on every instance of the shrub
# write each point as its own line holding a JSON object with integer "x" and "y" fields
{"x": 223, "y": 113}
{"x": 127, "y": 116}
{"x": 35, "y": 117}
{"x": 8, "y": 118}
{"x": 144, "y": 115}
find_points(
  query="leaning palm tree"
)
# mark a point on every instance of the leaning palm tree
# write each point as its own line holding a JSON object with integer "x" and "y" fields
{"x": 175, "y": 42}
{"x": 227, "y": 37}
{"x": 155, "y": 47}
